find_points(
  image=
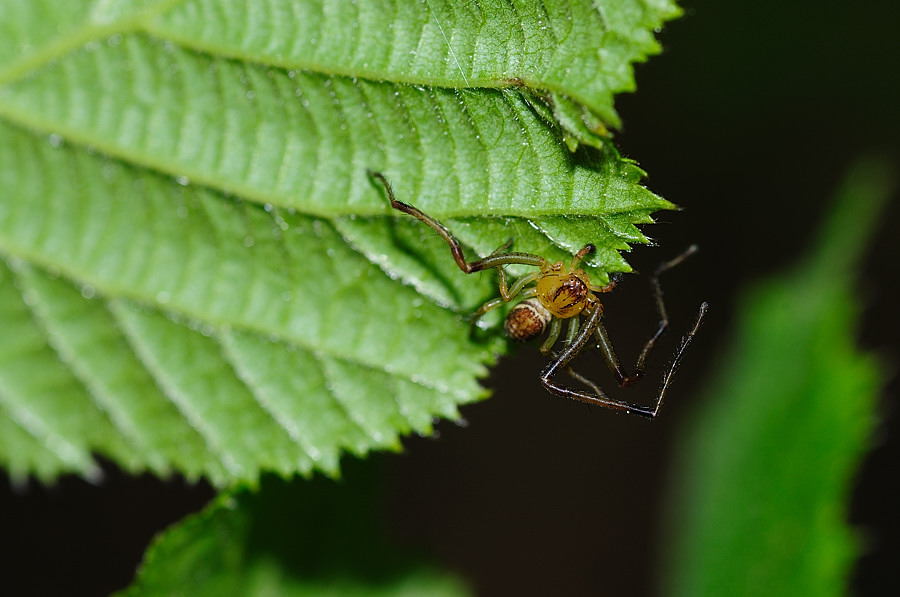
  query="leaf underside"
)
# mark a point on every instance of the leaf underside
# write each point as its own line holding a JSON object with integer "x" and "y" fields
{"x": 199, "y": 274}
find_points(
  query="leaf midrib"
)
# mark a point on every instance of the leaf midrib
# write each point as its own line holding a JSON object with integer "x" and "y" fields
{"x": 145, "y": 22}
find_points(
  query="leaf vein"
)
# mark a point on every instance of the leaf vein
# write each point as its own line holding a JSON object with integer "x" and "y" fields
{"x": 285, "y": 422}
{"x": 104, "y": 403}
{"x": 170, "y": 390}
{"x": 34, "y": 426}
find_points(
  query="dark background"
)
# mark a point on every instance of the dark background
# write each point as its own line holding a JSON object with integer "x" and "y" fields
{"x": 748, "y": 120}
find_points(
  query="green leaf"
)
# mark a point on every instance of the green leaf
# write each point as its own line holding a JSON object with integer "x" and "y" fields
{"x": 207, "y": 279}
{"x": 299, "y": 538}
{"x": 764, "y": 477}
{"x": 568, "y": 52}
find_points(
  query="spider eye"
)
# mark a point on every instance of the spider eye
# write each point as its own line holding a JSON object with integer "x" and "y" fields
{"x": 527, "y": 320}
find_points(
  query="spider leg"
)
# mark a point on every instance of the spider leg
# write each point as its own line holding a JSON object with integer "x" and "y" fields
{"x": 581, "y": 378}
{"x": 503, "y": 247}
{"x": 584, "y": 251}
{"x": 495, "y": 259}
{"x": 679, "y": 354}
{"x": 613, "y": 280}
{"x": 572, "y": 332}
{"x": 605, "y": 344}
{"x": 494, "y": 303}
{"x": 510, "y": 292}
{"x": 571, "y": 335}
{"x": 598, "y": 397}
{"x": 552, "y": 335}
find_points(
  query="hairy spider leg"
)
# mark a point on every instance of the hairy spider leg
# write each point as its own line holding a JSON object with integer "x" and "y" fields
{"x": 552, "y": 334}
{"x": 497, "y": 259}
{"x": 493, "y": 260}
{"x": 562, "y": 362}
{"x": 584, "y": 251}
{"x": 594, "y": 326}
{"x": 571, "y": 335}
{"x": 599, "y": 397}
{"x": 510, "y": 292}
{"x": 607, "y": 288}
{"x": 605, "y": 343}
{"x": 572, "y": 332}
{"x": 516, "y": 290}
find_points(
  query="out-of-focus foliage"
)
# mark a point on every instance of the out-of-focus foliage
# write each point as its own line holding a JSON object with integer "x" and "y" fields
{"x": 301, "y": 538}
{"x": 764, "y": 472}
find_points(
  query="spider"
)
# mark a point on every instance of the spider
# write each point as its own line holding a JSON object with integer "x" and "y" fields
{"x": 556, "y": 292}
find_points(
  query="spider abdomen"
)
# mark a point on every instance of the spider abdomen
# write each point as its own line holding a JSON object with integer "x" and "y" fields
{"x": 527, "y": 320}
{"x": 564, "y": 295}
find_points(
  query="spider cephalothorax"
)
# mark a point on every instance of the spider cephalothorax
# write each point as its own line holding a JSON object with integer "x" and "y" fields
{"x": 564, "y": 293}
{"x": 560, "y": 291}
{"x": 557, "y": 292}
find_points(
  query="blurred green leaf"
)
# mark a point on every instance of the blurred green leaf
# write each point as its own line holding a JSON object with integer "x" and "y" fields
{"x": 199, "y": 275}
{"x": 311, "y": 538}
{"x": 764, "y": 474}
